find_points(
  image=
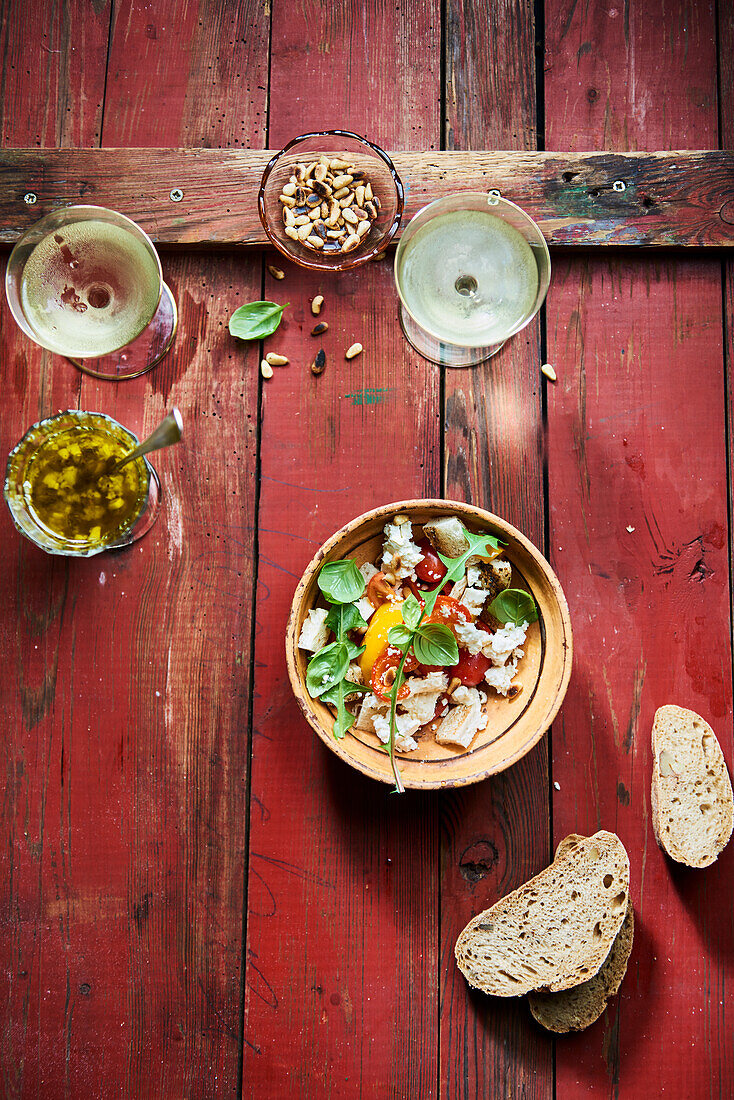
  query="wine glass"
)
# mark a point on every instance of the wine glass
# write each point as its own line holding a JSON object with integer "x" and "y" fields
{"x": 87, "y": 283}
{"x": 471, "y": 270}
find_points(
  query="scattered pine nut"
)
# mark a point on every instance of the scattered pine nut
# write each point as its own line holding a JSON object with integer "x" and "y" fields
{"x": 453, "y": 685}
{"x": 319, "y": 328}
{"x": 276, "y": 360}
{"x": 316, "y": 304}
{"x": 630, "y": 529}
{"x": 265, "y": 369}
{"x": 319, "y": 364}
{"x": 557, "y": 785}
{"x": 276, "y": 272}
{"x": 352, "y": 350}
{"x": 549, "y": 372}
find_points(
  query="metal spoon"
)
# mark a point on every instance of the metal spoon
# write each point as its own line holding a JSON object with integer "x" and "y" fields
{"x": 169, "y": 431}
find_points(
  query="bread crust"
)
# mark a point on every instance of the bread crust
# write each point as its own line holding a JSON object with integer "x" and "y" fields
{"x": 577, "y": 1008}
{"x": 691, "y": 794}
{"x": 578, "y": 905}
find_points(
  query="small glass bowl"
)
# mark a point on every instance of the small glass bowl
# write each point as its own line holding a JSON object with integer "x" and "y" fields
{"x": 23, "y": 514}
{"x": 341, "y": 145}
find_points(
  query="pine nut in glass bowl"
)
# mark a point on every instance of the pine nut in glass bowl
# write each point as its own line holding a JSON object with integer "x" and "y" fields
{"x": 456, "y": 721}
{"x": 330, "y": 200}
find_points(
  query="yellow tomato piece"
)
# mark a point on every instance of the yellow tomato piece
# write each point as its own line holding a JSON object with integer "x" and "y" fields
{"x": 387, "y": 615}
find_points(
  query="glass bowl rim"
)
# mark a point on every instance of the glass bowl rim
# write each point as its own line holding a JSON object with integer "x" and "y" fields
{"x": 39, "y": 425}
{"x": 543, "y": 245}
{"x": 347, "y": 263}
{"x": 59, "y": 211}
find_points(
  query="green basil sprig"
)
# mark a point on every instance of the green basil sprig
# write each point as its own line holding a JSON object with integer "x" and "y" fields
{"x": 342, "y": 584}
{"x": 515, "y": 606}
{"x": 341, "y": 581}
{"x": 256, "y": 320}
{"x": 432, "y": 643}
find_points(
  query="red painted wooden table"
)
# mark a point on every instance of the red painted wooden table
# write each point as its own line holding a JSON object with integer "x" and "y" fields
{"x": 198, "y": 899}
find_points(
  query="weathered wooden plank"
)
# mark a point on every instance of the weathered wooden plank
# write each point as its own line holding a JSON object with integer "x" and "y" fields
{"x": 657, "y": 200}
{"x": 53, "y": 72}
{"x": 57, "y": 975}
{"x": 494, "y": 836}
{"x": 638, "y": 501}
{"x": 342, "y": 941}
{"x": 125, "y": 822}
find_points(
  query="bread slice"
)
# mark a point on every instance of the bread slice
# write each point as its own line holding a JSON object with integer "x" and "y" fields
{"x": 447, "y": 536}
{"x": 577, "y": 1008}
{"x": 556, "y": 930}
{"x": 692, "y": 804}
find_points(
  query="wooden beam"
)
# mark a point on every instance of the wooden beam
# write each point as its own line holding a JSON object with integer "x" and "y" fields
{"x": 657, "y": 200}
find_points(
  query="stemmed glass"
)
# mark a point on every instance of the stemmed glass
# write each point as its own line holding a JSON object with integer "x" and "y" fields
{"x": 471, "y": 270}
{"x": 87, "y": 283}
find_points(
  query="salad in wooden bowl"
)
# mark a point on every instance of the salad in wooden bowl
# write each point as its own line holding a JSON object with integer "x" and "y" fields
{"x": 429, "y": 644}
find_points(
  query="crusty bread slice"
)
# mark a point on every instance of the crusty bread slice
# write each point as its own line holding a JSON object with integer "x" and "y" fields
{"x": 447, "y": 536}
{"x": 692, "y": 804}
{"x": 556, "y": 930}
{"x": 577, "y": 1008}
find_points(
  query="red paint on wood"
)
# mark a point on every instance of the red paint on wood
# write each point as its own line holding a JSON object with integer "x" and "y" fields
{"x": 495, "y": 836}
{"x": 638, "y": 497}
{"x": 126, "y": 819}
{"x": 342, "y": 959}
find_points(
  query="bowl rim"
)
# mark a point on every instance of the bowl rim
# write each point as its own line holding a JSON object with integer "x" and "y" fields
{"x": 349, "y": 262}
{"x": 543, "y": 284}
{"x": 481, "y": 517}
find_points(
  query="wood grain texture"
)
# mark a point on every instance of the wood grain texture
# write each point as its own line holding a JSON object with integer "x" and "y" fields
{"x": 666, "y": 200}
{"x": 342, "y": 944}
{"x": 129, "y": 758}
{"x": 52, "y": 77}
{"x": 58, "y": 975}
{"x": 638, "y": 502}
{"x": 495, "y": 836}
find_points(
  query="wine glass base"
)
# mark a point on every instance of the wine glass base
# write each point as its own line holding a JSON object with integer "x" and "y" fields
{"x": 436, "y": 351}
{"x": 144, "y": 352}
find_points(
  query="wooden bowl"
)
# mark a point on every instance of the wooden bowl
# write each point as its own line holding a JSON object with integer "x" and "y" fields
{"x": 515, "y": 725}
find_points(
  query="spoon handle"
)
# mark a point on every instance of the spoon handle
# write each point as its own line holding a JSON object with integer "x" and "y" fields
{"x": 168, "y": 431}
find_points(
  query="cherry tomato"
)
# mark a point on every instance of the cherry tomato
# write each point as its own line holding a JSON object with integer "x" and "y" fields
{"x": 383, "y": 672}
{"x": 378, "y": 589}
{"x": 409, "y": 584}
{"x": 471, "y": 667}
{"x": 430, "y": 570}
{"x": 448, "y": 610}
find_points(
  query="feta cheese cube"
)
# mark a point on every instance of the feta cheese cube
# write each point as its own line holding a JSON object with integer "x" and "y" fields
{"x": 405, "y": 727}
{"x": 365, "y": 608}
{"x": 473, "y": 600}
{"x": 400, "y": 555}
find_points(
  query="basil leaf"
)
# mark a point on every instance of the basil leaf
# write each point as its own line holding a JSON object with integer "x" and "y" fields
{"x": 412, "y": 611}
{"x": 399, "y": 635}
{"x": 341, "y": 581}
{"x": 353, "y": 650}
{"x": 514, "y": 606}
{"x": 435, "y": 644}
{"x": 344, "y": 617}
{"x": 326, "y": 668}
{"x": 255, "y": 320}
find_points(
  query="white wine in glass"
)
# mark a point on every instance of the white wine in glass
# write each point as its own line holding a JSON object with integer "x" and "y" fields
{"x": 86, "y": 283}
{"x": 471, "y": 270}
